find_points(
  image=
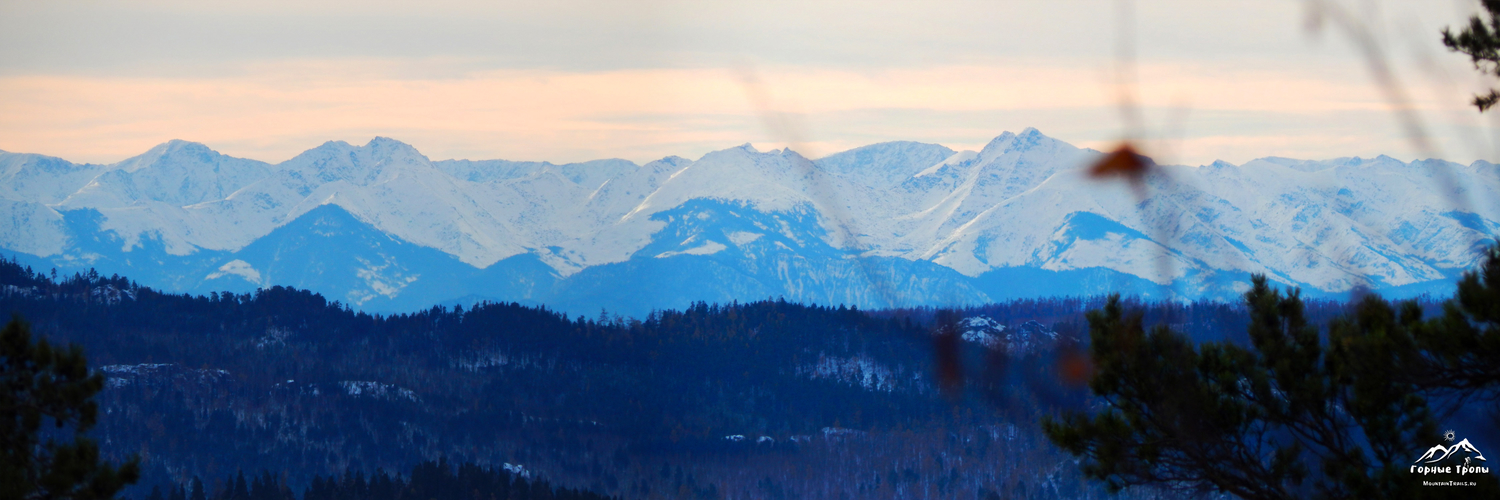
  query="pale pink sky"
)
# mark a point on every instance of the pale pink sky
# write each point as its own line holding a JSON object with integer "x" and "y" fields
{"x": 572, "y": 81}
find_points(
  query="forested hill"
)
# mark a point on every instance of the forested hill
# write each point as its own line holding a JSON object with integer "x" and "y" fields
{"x": 428, "y": 480}
{"x": 748, "y": 400}
{"x": 283, "y": 380}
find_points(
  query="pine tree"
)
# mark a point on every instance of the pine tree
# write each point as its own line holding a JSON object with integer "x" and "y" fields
{"x": 1481, "y": 42}
{"x": 1461, "y": 349}
{"x": 40, "y": 384}
{"x": 1296, "y": 414}
{"x": 237, "y": 489}
{"x": 196, "y": 488}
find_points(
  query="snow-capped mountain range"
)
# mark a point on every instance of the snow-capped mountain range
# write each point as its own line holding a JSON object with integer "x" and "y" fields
{"x": 384, "y": 228}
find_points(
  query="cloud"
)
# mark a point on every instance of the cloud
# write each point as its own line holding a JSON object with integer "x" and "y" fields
{"x": 275, "y": 110}
{"x": 135, "y": 38}
{"x": 571, "y": 80}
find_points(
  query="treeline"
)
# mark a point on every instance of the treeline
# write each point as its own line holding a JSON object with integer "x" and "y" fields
{"x": 1202, "y": 320}
{"x": 428, "y": 480}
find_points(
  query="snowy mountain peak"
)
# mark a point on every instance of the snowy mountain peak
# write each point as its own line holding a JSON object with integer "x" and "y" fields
{"x": 175, "y": 149}
{"x": 1033, "y": 140}
{"x": 377, "y": 161}
{"x": 770, "y": 181}
{"x": 383, "y": 141}
{"x": 388, "y": 147}
{"x": 1028, "y": 150}
{"x": 176, "y": 173}
{"x": 670, "y": 163}
{"x": 1008, "y": 166}
{"x": 42, "y": 179}
{"x": 998, "y": 145}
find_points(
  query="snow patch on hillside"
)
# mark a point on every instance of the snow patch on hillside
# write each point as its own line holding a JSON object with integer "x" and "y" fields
{"x": 161, "y": 375}
{"x": 1027, "y": 338}
{"x": 377, "y": 390}
{"x": 740, "y": 238}
{"x": 239, "y": 268}
{"x": 707, "y": 248}
{"x": 384, "y": 279}
{"x": 858, "y": 370}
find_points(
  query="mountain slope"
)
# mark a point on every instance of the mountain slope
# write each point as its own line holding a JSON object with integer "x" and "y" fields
{"x": 330, "y": 250}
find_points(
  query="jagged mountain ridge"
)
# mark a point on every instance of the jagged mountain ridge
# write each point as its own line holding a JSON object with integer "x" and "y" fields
{"x": 1019, "y": 217}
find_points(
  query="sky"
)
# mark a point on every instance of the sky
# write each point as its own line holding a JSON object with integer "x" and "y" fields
{"x": 564, "y": 81}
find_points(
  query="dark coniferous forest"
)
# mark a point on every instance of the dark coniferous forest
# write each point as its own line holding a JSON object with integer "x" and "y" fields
{"x": 283, "y": 394}
{"x": 427, "y": 480}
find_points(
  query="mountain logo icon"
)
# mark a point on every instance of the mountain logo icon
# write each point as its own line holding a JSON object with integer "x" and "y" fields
{"x": 1439, "y": 453}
